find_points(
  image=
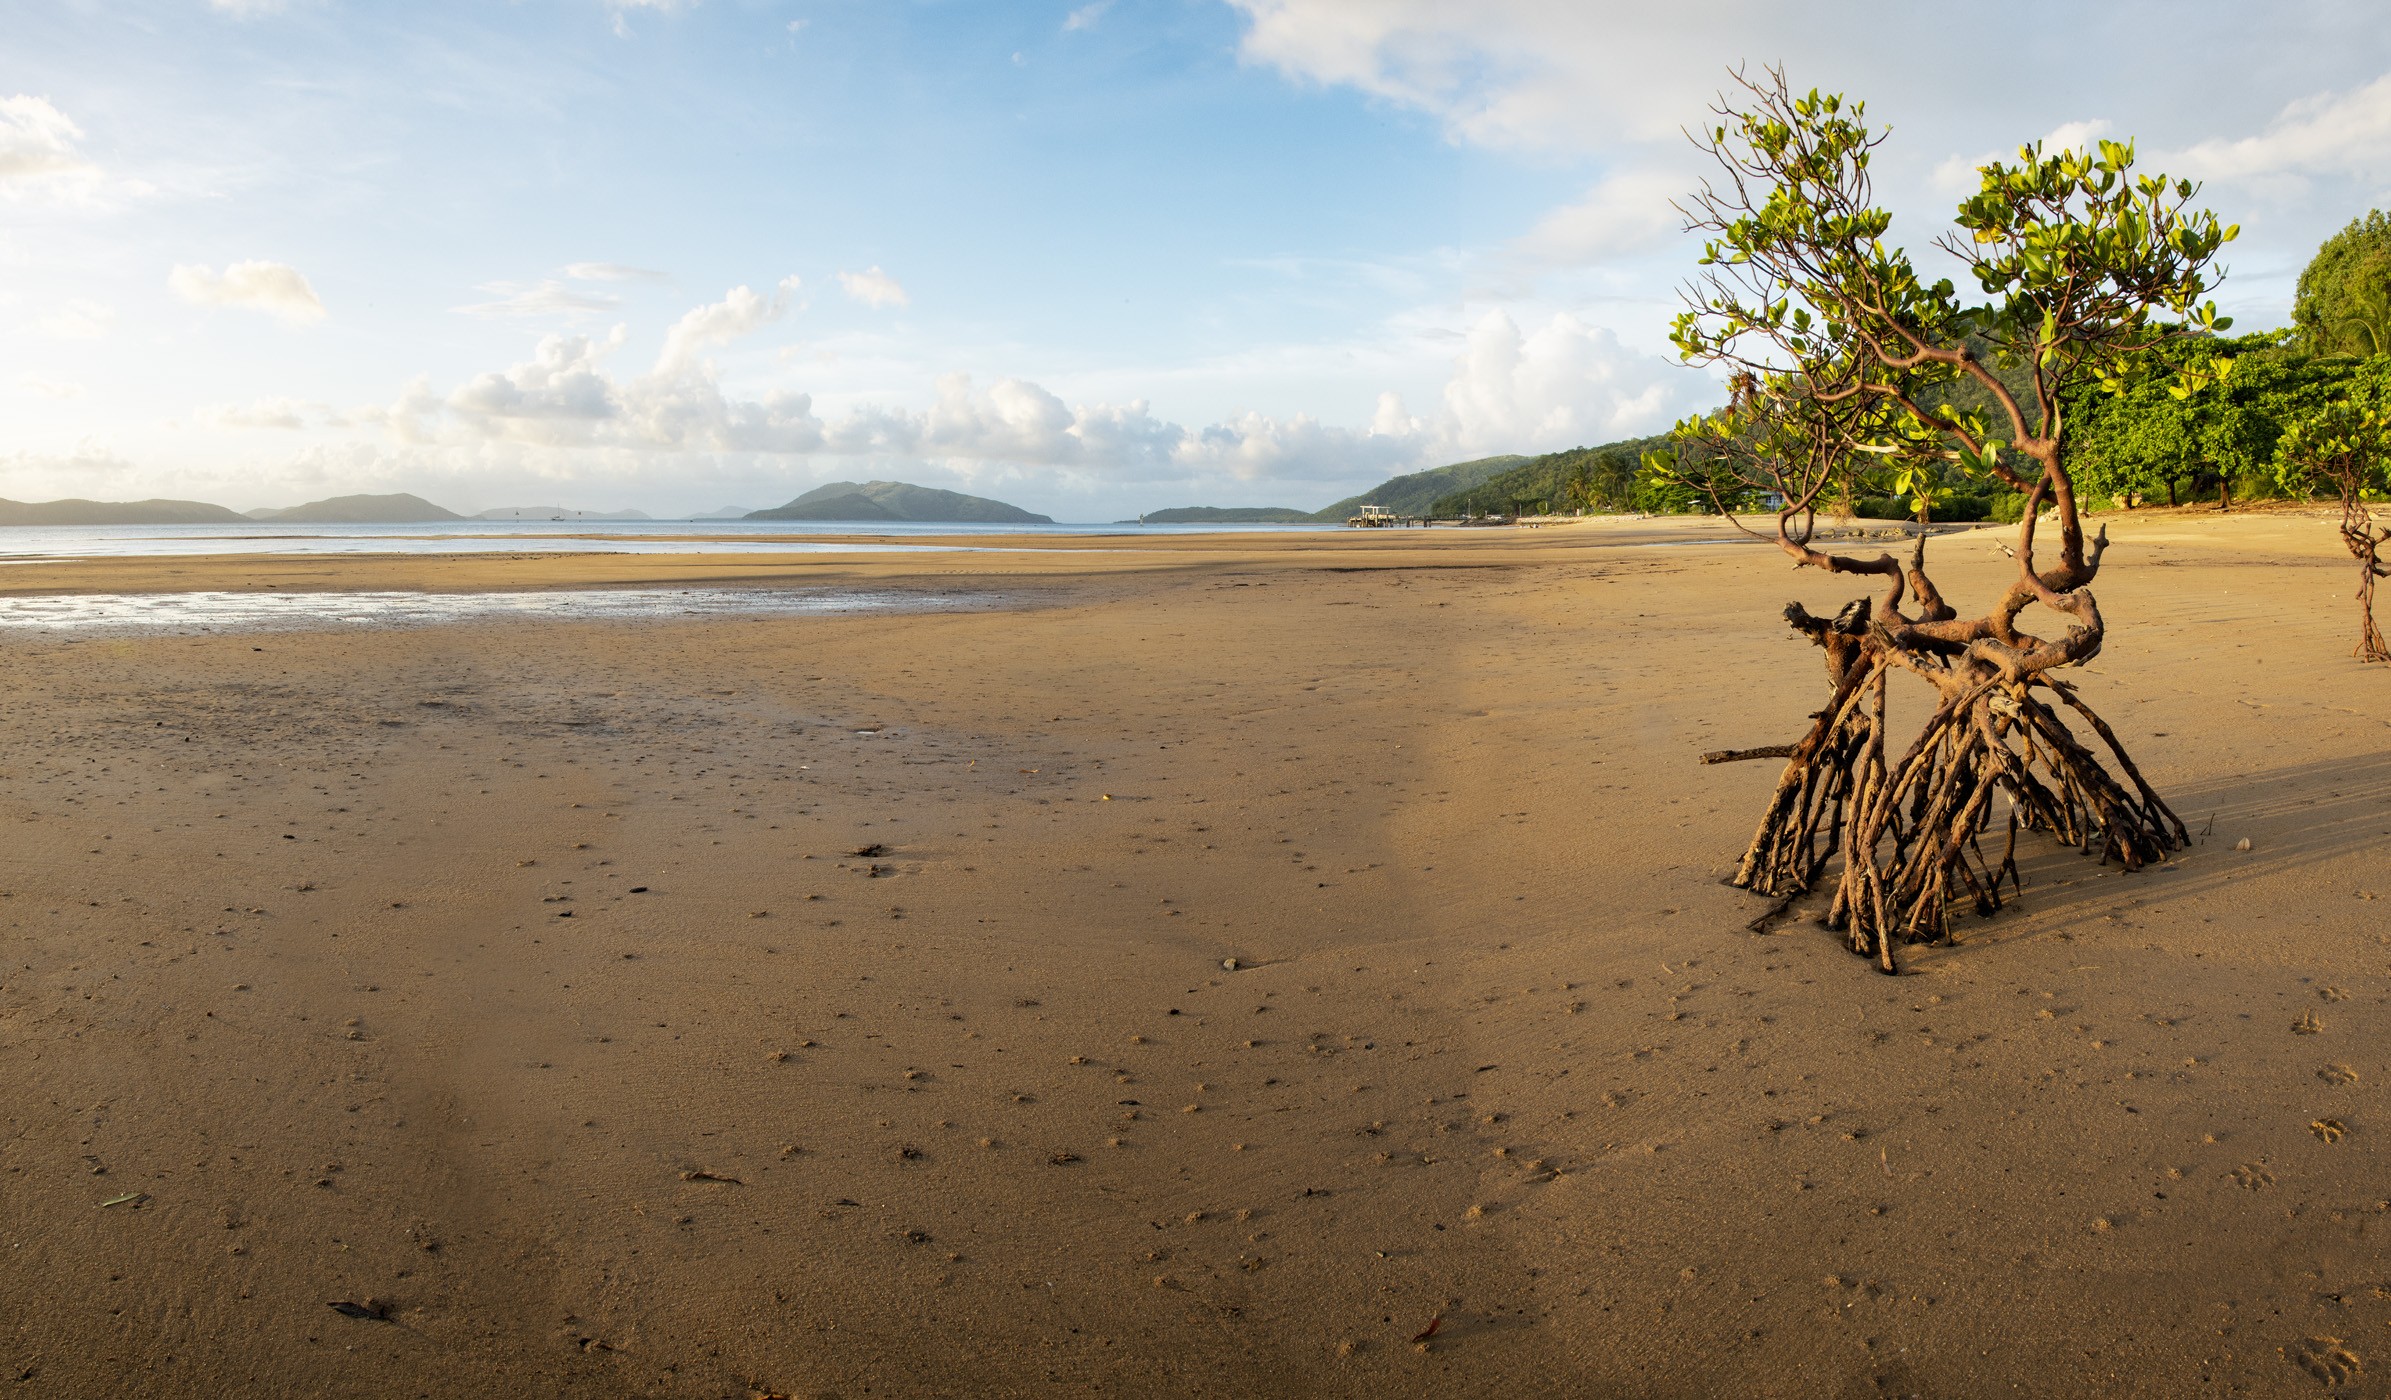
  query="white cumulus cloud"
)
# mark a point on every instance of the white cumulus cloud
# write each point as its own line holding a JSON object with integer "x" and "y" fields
{"x": 1085, "y": 16}
{"x": 1566, "y": 384}
{"x": 278, "y": 289}
{"x": 874, "y": 288}
{"x": 38, "y": 145}
{"x": 741, "y": 311}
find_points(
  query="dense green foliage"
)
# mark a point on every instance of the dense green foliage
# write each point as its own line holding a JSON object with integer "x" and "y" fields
{"x": 2343, "y": 305}
{"x": 1416, "y": 493}
{"x": 2221, "y": 432}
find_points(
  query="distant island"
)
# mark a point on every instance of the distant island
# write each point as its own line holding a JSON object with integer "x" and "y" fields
{"x": 897, "y": 500}
{"x": 154, "y": 512}
{"x": 399, "y": 509}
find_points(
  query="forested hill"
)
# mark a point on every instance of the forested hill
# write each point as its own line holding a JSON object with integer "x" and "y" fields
{"x": 1414, "y": 494}
{"x": 1587, "y": 478}
{"x": 1224, "y": 515}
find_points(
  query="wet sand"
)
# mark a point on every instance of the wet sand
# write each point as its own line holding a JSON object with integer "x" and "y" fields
{"x": 528, "y": 985}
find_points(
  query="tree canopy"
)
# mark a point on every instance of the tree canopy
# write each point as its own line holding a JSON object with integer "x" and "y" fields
{"x": 2343, "y": 304}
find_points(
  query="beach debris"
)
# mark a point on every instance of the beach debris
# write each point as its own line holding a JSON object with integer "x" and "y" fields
{"x": 2242, "y": 845}
{"x": 1422, "y": 1337}
{"x": 712, "y": 1176}
{"x": 1230, "y": 964}
{"x": 1743, "y": 755}
{"x": 134, "y": 1199}
{"x": 371, "y": 1310}
{"x": 867, "y": 852}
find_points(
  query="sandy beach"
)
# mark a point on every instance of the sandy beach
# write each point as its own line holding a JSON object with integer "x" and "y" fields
{"x": 1211, "y": 967}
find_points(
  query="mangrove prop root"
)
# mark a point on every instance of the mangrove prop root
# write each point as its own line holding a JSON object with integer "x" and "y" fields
{"x": 2365, "y": 540}
{"x": 1908, "y": 827}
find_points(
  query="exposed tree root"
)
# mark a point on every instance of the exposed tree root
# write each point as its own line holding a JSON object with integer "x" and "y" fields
{"x": 1910, "y": 829}
{"x": 2365, "y": 540}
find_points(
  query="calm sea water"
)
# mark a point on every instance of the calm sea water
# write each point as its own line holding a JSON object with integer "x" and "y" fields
{"x": 32, "y": 542}
{"x": 153, "y": 613}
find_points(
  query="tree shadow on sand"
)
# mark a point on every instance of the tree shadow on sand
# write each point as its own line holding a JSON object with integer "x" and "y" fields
{"x": 2297, "y": 817}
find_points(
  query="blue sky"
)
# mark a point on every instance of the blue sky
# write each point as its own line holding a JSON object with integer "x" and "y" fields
{"x": 1092, "y": 259}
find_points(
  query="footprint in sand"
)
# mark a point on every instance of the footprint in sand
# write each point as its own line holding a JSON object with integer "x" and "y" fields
{"x": 2328, "y": 1129}
{"x": 2252, "y": 1176}
{"x": 2308, "y": 1024}
{"x": 2338, "y": 1074}
{"x": 2326, "y": 1359}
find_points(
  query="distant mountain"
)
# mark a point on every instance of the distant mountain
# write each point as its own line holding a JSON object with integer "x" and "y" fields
{"x": 400, "y": 509}
{"x": 154, "y": 512}
{"x": 559, "y": 513}
{"x": 725, "y": 513}
{"x": 1414, "y": 494}
{"x": 1224, "y": 515}
{"x": 897, "y": 500}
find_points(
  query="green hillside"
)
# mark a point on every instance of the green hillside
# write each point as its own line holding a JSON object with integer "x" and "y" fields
{"x": 1582, "y": 478}
{"x": 1414, "y": 494}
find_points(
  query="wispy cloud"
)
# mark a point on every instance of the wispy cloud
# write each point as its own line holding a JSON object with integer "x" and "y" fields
{"x": 77, "y": 320}
{"x": 50, "y": 388}
{"x": 285, "y": 414}
{"x": 1628, "y": 212}
{"x": 1085, "y": 16}
{"x": 611, "y": 272}
{"x": 621, "y": 10}
{"x": 546, "y": 300}
{"x": 275, "y": 288}
{"x": 2327, "y": 133}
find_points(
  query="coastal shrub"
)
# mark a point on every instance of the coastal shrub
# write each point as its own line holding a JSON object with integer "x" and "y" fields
{"x": 1852, "y": 377}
